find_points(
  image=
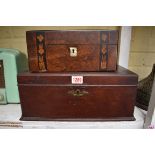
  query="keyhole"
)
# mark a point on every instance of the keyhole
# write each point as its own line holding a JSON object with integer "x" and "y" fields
{"x": 77, "y": 91}
{"x": 73, "y": 51}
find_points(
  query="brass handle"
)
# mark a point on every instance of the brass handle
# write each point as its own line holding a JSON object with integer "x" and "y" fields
{"x": 78, "y": 92}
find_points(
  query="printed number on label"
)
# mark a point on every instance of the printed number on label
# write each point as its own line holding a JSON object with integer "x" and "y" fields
{"x": 77, "y": 79}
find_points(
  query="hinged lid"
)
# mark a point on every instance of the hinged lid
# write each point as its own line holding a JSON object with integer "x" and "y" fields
{"x": 121, "y": 77}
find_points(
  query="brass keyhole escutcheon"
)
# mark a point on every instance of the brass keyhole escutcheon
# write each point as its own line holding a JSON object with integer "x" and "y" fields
{"x": 73, "y": 51}
{"x": 78, "y": 92}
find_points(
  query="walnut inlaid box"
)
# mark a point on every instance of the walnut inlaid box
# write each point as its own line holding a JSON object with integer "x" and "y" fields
{"x": 74, "y": 50}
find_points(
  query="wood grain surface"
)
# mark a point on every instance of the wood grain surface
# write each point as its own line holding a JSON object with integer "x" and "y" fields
{"x": 49, "y": 51}
{"x": 102, "y": 96}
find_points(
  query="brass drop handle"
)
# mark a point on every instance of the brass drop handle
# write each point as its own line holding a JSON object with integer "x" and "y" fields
{"x": 77, "y": 92}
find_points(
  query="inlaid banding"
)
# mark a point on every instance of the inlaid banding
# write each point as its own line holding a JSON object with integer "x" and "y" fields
{"x": 40, "y": 42}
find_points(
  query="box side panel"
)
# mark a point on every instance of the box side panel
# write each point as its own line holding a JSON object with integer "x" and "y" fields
{"x": 32, "y": 51}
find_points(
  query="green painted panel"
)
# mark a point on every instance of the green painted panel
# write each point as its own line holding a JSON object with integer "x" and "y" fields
{"x": 11, "y": 62}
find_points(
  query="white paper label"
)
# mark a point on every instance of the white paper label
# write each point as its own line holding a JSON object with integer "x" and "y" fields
{"x": 77, "y": 79}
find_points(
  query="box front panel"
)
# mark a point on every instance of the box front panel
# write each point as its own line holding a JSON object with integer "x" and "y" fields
{"x": 65, "y": 58}
{"x": 43, "y": 102}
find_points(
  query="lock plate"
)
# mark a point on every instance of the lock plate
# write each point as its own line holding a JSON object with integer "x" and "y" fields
{"x": 78, "y": 92}
{"x": 73, "y": 51}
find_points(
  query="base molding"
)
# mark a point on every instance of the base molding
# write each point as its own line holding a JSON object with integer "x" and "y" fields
{"x": 77, "y": 119}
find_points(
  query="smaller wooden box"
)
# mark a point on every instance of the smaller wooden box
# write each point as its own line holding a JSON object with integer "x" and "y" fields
{"x": 67, "y": 51}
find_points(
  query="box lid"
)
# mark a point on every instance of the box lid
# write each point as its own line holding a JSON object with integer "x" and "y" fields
{"x": 121, "y": 77}
{"x": 76, "y": 36}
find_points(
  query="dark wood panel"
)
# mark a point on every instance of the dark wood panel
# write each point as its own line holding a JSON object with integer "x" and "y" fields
{"x": 58, "y": 103}
{"x": 87, "y": 79}
{"x": 72, "y": 37}
{"x": 59, "y": 59}
{"x": 109, "y": 37}
{"x": 78, "y": 119}
{"x": 121, "y": 77}
{"x": 112, "y": 57}
{"x": 32, "y": 51}
{"x": 2, "y": 79}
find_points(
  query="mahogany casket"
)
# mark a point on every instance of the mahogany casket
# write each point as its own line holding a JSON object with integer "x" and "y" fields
{"x": 72, "y": 50}
{"x": 98, "y": 96}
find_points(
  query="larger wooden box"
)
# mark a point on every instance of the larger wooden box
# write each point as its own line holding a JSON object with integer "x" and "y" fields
{"x": 102, "y": 96}
{"x": 66, "y": 51}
